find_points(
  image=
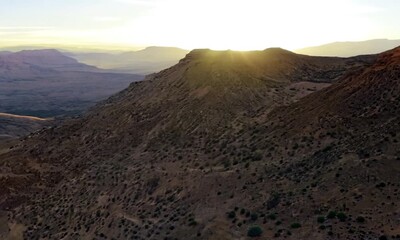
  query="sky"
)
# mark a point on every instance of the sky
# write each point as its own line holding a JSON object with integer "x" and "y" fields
{"x": 189, "y": 24}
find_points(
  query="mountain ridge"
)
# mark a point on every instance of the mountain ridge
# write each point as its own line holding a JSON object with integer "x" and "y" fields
{"x": 44, "y": 59}
{"x": 348, "y": 49}
{"x": 145, "y": 61}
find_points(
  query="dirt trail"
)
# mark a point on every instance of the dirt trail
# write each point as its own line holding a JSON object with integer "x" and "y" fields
{"x": 23, "y": 117}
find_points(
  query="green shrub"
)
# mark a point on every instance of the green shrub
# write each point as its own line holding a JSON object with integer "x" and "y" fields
{"x": 257, "y": 156}
{"x": 341, "y": 216}
{"x": 254, "y": 231}
{"x": 383, "y": 237}
{"x": 360, "y": 219}
{"x": 254, "y": 216}
{"x": 192, "y": 222}
{"x": 331, "y": 214}
{"x": 321, "y": 219}
{"x": 295, "y": 225}
{"x": 242, "y": 211}
{"x": 231, "y": 214}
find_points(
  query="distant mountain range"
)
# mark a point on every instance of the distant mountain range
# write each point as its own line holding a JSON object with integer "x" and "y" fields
{"x": 142, "y": 62}
{"x": 348, "y": 49}
{"x": 146, "y": 61}
{"x": 46, "y": 83}
{"x": 35, "y": 62}
{"x": 154, "y": 59}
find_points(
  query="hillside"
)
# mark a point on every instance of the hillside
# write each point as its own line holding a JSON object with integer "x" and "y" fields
{"x": 348, "y": 49}
{"x": 218, "y": 144}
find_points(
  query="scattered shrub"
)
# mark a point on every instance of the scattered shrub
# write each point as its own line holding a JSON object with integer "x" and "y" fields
{"x": 341, "y": 216}
{"x": 254, "y": 231}
{"x": 321, "y": 219}
{"x": 272, "y": 216}
{"x": 331, "y": 214}
{"x": 231, "y": 214}
{"x": 295, "y": 225}
{"x": 360, "y": 219}
{"x": 254, "y": 216}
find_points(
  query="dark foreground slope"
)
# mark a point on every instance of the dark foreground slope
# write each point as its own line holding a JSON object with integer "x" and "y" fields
{"x": 215, "y": 145}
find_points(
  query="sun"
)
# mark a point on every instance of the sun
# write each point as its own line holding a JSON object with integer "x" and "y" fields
{"x": 238, "y": 25}
{"x": 226, "y": 24}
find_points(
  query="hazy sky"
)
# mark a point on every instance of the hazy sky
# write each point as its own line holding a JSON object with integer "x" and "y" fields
{"x": 216, "y": 24}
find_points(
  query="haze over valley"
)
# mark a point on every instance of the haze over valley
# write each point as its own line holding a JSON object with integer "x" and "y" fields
{"x": 48, "y": 84}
